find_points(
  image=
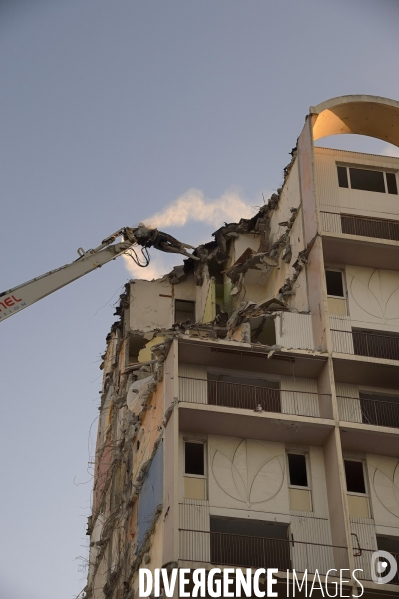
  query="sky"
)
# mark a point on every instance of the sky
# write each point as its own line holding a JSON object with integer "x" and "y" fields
{"x": 181, "y": 113}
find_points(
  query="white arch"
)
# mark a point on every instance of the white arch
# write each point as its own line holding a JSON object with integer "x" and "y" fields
{"x": 363, "y": 115}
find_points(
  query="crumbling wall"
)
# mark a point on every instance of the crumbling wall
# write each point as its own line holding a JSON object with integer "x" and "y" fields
{"x": 129, "y": 458}
{"x": 153, "y": 305}
{"x": 151, "y": 495}
{"x": 249, "y": 279}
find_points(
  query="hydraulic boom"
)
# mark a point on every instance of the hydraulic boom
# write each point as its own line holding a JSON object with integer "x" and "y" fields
{"x": 20, "y": 297}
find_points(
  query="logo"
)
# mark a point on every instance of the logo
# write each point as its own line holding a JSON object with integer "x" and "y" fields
{"x": 383, "y": 567}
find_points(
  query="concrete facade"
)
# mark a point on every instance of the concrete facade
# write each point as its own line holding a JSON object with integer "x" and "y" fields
{"x": 250, "y": 402}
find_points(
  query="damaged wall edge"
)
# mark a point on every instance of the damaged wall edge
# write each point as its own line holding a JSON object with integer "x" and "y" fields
{"x": 240, "y": 263}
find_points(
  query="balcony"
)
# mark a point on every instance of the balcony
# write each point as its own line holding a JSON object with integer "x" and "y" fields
{"x": 376, "y": 345}
{"x": 227, "y": 549}
{"x": 366, "y": 410}
{"x": 250, "y": 397}
{"x": 370, "y": 227}
{"x": 370, "y": 242}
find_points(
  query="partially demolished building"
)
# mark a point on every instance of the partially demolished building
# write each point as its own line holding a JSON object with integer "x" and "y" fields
{"x": 249, "y": 412}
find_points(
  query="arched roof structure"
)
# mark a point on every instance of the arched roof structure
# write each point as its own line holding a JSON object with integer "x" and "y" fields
{"x": 363, "y": 115}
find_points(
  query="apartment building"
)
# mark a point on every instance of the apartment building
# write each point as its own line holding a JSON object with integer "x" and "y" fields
{"x": 249, "y": 412}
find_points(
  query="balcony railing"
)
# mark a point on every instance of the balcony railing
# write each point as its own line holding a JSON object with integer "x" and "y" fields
{"x": 369, "y": 411}
{"x": 259, "y": 552}
{"x": 249, "y": 397}
{"x": 370, "y": 227}
{"x": 362, "y": 559}
{"x": 376, "y": 345}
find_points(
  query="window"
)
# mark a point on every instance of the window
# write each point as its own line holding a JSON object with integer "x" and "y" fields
{"x": 334, "y": 281}
{"x": 342, "y": 176}
{"x": 354, "y": 474}
{"x": 194, "y": 462}
{"x": 391, "y": 183}
{"x": 358, "y": 502}
{"x": 297, "y": 470}
{"x": 367, "y": 179}
{"x": 299, "y": 491}
{"x": 184, "y": 310}
{"x": 194, "y": 470}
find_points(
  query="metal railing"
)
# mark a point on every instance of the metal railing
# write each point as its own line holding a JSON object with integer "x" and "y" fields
{"x": 227, "y": 549}
{"x": 370, "y": 227}
{"x": 248, "y": 397}
{"x": 362, "y": 559}
{"x": 376, "y": 345}
{"x": 369, "y": 411}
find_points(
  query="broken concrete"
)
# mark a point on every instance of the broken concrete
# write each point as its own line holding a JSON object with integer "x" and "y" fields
{"x": 225, "y": 279}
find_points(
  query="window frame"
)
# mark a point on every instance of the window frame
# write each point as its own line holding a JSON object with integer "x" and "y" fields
{"x": 307, "y": 465}
{"x": 198, "y": 442}
{"x": 366, "y": 487}
{"x": 384, "y": 172}
{"x": 344, "y": 287}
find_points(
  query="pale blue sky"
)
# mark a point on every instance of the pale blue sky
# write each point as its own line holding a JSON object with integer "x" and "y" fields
{"x": 111, "y": 110}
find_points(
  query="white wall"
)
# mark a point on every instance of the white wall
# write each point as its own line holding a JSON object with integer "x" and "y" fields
{"x": 247, "y": 478}
{"x": 152, "y": 302}
{"x": 333, "y": 198}
{"x": 149, "y": 308}
{"x": 373, "y": 296}
{"x": 383, "y": 474}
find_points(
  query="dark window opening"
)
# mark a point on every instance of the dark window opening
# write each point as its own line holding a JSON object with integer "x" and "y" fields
{"x": 297, "y": 470}
{"x": 366, "y": 180}
{"x": 265, "y": 332}
{"x": 184, "y": 310}
{"x": 136, "y": 343}
{"x": 335, "y": 285}
{"x": 250, "y": 543}
{"x": 342, "y": 176}
{"x": 244, "y": 393}
{"x": 354, "y": 477}
{"x": 391, "y": 183}
{"x": 390, "y": 544}
{"x": 194, "y": 458}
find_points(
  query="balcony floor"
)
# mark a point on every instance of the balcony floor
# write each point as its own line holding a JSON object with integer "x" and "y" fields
{"x": 271, "y": 426}
{"x": 374, "y": 372}
{"x": 368, "y": 438}
{"x": 339, "y": 248}
{"x": 244, "y": 356}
